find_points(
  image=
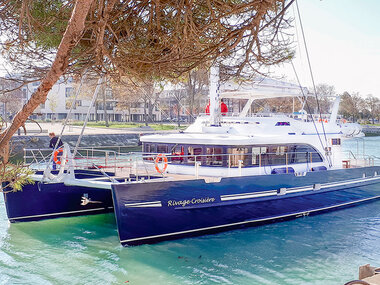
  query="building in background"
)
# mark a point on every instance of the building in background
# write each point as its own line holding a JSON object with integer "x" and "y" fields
{"x": 10, "y": 98}
{"x": 62, "y": 95}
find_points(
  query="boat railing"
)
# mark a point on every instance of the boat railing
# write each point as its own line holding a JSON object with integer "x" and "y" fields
{"x": 86, "y": 158}
{"x": 238, "y": 161}
{"x": 297, "y": 116}
{"x": 138, "y": 163}
{"x": 359, "y": 159}
{"x": 372, "y": 160}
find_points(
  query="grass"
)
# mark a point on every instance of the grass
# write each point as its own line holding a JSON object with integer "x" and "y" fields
{"x": 370, "y": 124}
{"x": 122, "y": 125}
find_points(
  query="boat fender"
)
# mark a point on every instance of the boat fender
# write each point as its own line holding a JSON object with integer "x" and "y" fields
{"x": 161, "y": 157}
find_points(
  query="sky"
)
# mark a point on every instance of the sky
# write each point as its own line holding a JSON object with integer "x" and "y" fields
{"x": 343, "y": 40}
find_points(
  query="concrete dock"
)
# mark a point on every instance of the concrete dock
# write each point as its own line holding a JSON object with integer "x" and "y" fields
{"x": 368, "y": 275}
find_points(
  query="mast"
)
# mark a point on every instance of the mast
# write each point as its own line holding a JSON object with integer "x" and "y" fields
{"x": 334, "y": 112}
{"x": 214, "y": 96}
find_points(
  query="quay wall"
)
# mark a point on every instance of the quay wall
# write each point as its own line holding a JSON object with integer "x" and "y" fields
{"x": 371, "y": 130}
{"x": 18, "y": 143}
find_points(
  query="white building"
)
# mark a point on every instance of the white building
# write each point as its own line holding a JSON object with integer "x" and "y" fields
{"x": 60, "y": 98}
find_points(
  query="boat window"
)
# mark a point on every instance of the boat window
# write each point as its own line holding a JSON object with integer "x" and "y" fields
{"x": 177, "y": 152}
{"x": 177, "y": 149}
{"x": 192, "y": 152}
{"x": 162, "y": 148}
{"x": 335, "y": 141}
{"x": 238, "y": 153}
{"x": 257, "y": 151}
{"x": 282, "y": 170}
{"x": 277, "y": 155}
{"x": 281, "y": 150}
{"x": 303, "y": 154}
{"x": 149, "y": 148}
{"x": 284, "y": 154}
{"x": 250, "y": 156}
{"x": 214, "y": 156}
{"x": 282, "y": 124}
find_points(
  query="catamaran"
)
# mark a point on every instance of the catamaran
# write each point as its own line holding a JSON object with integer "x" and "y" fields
{"x": 227, "y": 172}
{"x": 222, "y": 172}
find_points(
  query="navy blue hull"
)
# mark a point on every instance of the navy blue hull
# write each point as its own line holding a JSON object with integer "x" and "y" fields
{"x": 46, "y": 201}
{"x": 152, "y": 212}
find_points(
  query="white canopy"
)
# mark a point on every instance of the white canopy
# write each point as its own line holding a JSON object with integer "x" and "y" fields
{"x": 263, "y": 88}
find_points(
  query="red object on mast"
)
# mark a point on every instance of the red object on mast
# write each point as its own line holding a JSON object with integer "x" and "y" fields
{"x": 223, "y": 108}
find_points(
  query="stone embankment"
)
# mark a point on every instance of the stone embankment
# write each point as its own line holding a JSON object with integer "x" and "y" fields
{"x": 87, "y": 141}
{"x": 371, "y": 130}
{"x": 38, "y": 138}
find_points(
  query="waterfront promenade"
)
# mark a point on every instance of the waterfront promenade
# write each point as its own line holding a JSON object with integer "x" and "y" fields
{"x": 56, "y": 127}
{"x": 33, "y": 129}
{"x": 37, "y": 136}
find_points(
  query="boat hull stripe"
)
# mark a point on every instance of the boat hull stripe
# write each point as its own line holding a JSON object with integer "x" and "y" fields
{"x": 292, "y": 190}
{"x": 144, "y": 204}
{"x": 59, "y": 213}
{"x": 302, "y": 213}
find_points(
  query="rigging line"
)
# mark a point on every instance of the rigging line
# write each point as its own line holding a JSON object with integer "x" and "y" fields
{"x": 311, "y": 71}
{"x": 95, "y": 96}
{"x": 308, "y": 109}
{"x": 297, "y": 32}
{"x": 66, "y": 121}
{"x": 305, "y": 102}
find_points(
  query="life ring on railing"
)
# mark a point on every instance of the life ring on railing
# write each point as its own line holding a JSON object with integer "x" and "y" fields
{"x": 55, "y": 158}
{"x": 161, "y": 157}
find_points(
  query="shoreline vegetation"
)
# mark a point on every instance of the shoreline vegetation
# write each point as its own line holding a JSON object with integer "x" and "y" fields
{"x": 370, "y": 125}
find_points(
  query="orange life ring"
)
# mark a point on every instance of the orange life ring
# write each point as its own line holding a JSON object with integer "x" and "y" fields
{"x": 158, "y": 159}
{"x": 55, "y": 158}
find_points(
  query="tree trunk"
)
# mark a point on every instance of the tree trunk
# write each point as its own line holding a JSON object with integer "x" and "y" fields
{"x": 71, "y": 37}
{"x": 96, "y": 111}
{"x": 105, "y": 107}
{"x": 178, "y": 113}
{"x": 145, "y": 113}
{"x": 150, "y": 108}
{"x": 191, "y": 89}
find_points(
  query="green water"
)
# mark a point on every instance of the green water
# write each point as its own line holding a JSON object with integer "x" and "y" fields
{"x": 324, "y": 249}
